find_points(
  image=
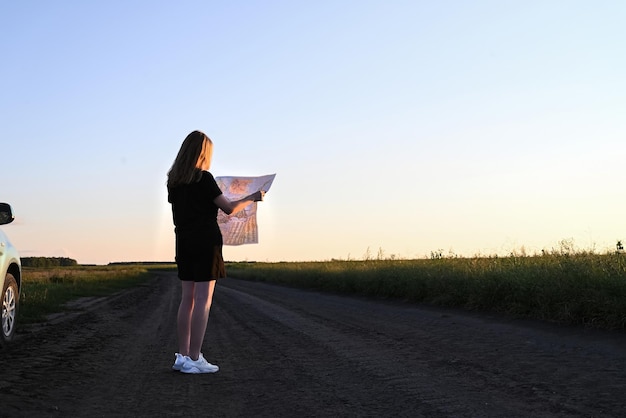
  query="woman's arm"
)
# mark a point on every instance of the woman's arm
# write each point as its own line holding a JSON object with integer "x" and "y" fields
{"x": 229, "y": 207}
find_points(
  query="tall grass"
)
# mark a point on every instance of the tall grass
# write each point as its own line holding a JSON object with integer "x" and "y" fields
{"x": 46, "y": 290}
{"x": 579, "y": 288}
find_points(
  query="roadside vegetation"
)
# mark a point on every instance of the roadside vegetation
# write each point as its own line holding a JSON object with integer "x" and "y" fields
{"x": 566, "y": 285}
{"x": 46, "y": 290}
{"x": 563, "y": 286}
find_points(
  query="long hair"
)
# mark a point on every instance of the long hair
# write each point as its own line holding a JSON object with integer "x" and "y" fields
{"x": 194, "y": 156}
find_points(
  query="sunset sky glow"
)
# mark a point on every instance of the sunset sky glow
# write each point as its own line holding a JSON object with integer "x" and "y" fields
{"x": 400, "y": 127}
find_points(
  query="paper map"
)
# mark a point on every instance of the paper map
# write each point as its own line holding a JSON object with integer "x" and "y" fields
{"x": 241, "y": 228}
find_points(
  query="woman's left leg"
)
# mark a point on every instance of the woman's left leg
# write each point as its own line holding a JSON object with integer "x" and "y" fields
{"x": 185, "y": 310}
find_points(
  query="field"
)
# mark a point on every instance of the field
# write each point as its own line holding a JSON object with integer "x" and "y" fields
{"x": 46, "y": 290}
{"x": 285, "y": 351}
{"x": 288, "y": 352}
{"x": 572, "y": 288}
{"x": 581, "y": 288}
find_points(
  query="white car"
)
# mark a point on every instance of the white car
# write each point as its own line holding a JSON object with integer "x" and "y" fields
{"x": 10, "y": 278}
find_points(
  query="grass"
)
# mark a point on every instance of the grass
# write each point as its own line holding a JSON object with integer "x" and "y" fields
{"x": 562, "y": 286}
{"x": 47, "y": 290}
{"x": 573, "y": 288}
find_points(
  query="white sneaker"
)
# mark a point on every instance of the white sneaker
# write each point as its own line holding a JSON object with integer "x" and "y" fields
{"x": 180, "y": 360}
{"x": 198, "y": 366}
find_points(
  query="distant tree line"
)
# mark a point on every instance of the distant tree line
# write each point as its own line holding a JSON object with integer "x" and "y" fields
{"x": 140, "y": 263}
{"x": 48, "y": 262}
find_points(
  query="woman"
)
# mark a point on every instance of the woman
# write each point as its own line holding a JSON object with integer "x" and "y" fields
{"x": 195, "y": 199}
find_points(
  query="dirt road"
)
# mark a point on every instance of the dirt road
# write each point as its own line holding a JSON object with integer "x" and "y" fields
{"x": 293, "y": 353}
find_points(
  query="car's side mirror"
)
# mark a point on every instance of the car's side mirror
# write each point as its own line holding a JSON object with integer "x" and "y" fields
{"x": 6, "y": 214}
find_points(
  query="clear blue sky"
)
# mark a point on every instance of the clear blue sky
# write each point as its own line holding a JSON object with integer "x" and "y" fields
{"x": 475, "y": 127}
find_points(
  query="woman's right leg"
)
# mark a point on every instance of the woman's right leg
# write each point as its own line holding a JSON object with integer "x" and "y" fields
{"x": 202, "y": 298}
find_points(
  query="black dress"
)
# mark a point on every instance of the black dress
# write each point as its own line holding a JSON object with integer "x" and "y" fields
{"x": 198, "y": 236}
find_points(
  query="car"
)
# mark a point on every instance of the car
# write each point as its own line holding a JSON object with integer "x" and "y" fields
{"x": 10, "y": 278}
